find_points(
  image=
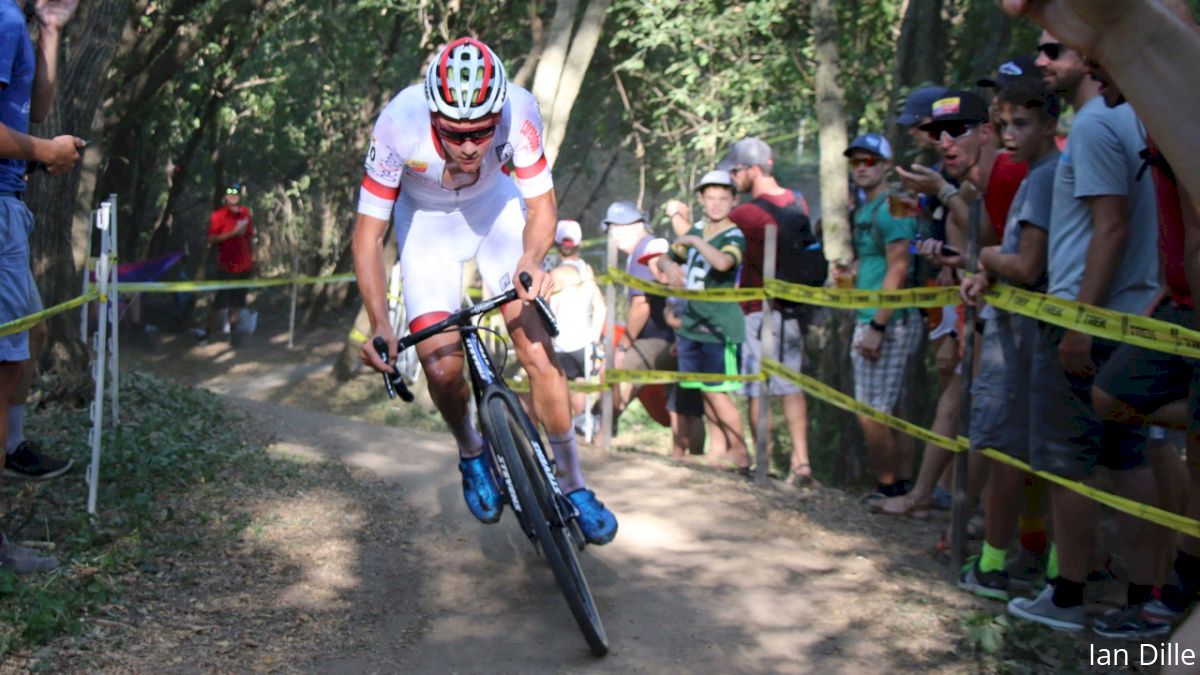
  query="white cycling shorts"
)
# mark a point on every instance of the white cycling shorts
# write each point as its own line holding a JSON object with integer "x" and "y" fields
{"x": 434, "y": 244}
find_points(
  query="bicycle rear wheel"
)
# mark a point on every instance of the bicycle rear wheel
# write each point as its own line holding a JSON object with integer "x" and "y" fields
{"x": 513, "y": 431}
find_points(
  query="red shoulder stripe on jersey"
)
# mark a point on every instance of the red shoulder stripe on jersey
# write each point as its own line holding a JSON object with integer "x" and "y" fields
{"x": 532, "y": 170}
{"x": 426, "y": 320}
{"x": 437, "y": 142}
{"x": 379, "y": 189}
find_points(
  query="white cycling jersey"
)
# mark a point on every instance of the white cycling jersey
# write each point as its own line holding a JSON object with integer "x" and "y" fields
{"x": 406, "y": 157}
{"x": 439, "y": 227}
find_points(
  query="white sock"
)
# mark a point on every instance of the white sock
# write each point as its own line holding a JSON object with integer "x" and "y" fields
{"x": 470, "y": 443}
{"x": 16, "y": 428}
{"x": 566, "y": 456}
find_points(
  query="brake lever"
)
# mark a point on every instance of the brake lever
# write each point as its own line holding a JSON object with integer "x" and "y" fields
{"x": 392, "y": 382}
{"x": 543, "y": 309}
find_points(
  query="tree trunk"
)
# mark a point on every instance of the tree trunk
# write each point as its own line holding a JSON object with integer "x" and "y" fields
{"x": 831, "y": 119}
{"x": 920, "y": 52}
{"x": 87, "y": 51}
{"x": 563, "y": 66}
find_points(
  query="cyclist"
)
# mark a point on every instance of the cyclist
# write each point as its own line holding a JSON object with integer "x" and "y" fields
{"x": 466, "y": 147}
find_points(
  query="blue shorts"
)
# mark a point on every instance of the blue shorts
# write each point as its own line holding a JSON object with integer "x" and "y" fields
{"x": 1000, "y": 389}
{"x": 709, "y": 357}
{"x": 18, "y": 293}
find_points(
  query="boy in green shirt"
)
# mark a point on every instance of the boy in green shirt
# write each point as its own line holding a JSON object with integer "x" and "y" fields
{"x": 711, "y": 333}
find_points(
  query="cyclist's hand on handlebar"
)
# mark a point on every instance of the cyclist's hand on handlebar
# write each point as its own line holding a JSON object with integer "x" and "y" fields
{"x": 543, "y": 284}
{"x": 371, "y": 358}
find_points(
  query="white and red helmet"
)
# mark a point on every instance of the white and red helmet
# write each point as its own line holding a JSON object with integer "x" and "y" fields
{"x": 466, "y": 81}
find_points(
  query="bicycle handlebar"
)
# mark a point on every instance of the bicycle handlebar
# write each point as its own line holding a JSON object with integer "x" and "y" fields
{"x": 395, "y": 384}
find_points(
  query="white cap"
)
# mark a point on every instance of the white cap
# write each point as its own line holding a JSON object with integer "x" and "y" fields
{"x": 569, "y": 232}
{"x": 654, "y": 248}
{"x": 716, "y": 177}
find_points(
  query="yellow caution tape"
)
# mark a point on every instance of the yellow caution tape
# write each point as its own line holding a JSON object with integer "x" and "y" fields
{"x": 522, "y": 386}
{"x": 855, "y": 298}
{"x": 27, "y": 322}
{"x": 833, "y": 396}
{"x": 207, "y": 286}
{"x": 357, "y": 335}
{"x": 1133, "y": 329}
{"x": 712, "y": 294}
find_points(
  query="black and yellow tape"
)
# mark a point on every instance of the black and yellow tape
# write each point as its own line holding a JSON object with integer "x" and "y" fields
{"x": 712, "y": 295}
{"x": 853, "y": 298}
{"x": 209, "y": 286}
{"x": 27, "y": 322}
{"x": 832, "y": 396}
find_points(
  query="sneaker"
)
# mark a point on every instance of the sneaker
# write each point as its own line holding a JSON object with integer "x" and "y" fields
{"x": 1131, "y": 623}
{"x": 599, "y": 525}
{"x": 1043, "y": 610}
{"x": 26, "y": 462}
{"x": 1028, "y": 567}
{"x": 993, "y": 584}
{"x": 480, "y": 489}
{"x": 23, "y": 560}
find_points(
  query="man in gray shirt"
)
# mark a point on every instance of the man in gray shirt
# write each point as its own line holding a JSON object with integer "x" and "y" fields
{"x": 1102, "y": 251}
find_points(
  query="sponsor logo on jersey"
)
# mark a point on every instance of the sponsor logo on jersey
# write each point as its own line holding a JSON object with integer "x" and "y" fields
{"x": 504, "y": 152}
{"x": 530, "y": 132}
{"x": 417, "y": 165}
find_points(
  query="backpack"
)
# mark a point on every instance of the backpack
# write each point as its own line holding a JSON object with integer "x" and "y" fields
{"x": 799, "y": 258}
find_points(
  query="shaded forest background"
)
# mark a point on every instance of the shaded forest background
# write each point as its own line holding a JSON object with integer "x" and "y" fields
{"x": 178, "y": 97}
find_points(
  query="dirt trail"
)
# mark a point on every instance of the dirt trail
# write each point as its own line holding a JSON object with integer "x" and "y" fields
{"x": 707, "y": 574}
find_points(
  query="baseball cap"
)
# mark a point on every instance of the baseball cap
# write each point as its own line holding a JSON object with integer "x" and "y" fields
{"x": 1012, "y": 71}
{"x": 654, "y": 248}
{"x": 716, "y": 177}
{"x": 749, "y": 151}
{"x": 872, "y": 143}
{"x": 622, "y": 213}
{"x": 918, "y": 105}
{"x": 957, "y": 106}
{"x": 569, "y": 232}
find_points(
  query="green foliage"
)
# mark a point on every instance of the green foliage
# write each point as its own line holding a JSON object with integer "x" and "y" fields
{"x": 172, "y": 441}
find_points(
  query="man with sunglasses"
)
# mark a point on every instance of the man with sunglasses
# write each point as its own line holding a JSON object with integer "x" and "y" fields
{"x": 884, "y": 339}
{"x": 1101, "y": 251}
{"x": 231, "y": 230}
{"x": 466, "y": 147}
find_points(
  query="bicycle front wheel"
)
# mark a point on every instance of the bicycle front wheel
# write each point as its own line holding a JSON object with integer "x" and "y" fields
{"x": 514, "y": 432}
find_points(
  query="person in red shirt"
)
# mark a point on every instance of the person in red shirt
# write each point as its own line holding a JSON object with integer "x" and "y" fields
{"x": 231, "y": 230}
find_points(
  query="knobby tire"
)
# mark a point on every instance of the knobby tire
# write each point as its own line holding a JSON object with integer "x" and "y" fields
{"x": 512, "y": 429}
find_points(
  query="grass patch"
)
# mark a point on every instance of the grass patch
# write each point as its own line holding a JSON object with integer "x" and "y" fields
{"x": 162, "y": 473}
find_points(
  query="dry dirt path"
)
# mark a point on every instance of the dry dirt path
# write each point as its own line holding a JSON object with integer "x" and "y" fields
{"x": 707, "y": 573}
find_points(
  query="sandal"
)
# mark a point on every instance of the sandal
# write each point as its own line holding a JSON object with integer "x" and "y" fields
{"x": 902, "y": 505}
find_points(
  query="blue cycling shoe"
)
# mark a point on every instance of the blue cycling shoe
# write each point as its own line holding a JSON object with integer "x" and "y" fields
{"x": 480, "y": 489}
{"x": 598, "y": 524}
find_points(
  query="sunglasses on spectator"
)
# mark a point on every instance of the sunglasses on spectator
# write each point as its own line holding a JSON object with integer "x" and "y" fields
{"x": 1052, "y": 50}
{"x": 955, "y": 130}
{"x": 455, "y": 137}
{"x": 867, "y": 161}
{"x": 232, "y": 191}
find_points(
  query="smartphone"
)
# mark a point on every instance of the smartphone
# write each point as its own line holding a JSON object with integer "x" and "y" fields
{"x": 947, "y": 250}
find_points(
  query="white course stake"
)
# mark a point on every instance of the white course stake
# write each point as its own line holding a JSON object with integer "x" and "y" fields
{"x": 114, "y": 313}
{"x": 100, "y": 349}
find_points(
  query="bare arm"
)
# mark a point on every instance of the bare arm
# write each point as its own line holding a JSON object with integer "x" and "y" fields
{"x": 367, "y": 246}
{"x": 720, "y": 260}
{"x": 897, "y": 271}
{"x": 639, "y": 314}
{"x": 1027, "y": 265}
{"x": 1110, "y": 228}
{"x": 541, "y": 219}
{"x": 52, "y": 16}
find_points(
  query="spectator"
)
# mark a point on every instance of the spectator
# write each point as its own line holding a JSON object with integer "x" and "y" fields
{"x": 646, "y": 342}
{"x": 685, "y": 406}
{"x": 1101, "y": 252}
{"x": 28, "y": 77}
{"x": 232, "y": 231}
{"x": 884, "y": 339}
{"x": 579, "y": 307}
{"x": 1030, "y": 126}
{"x": 711, "y": 333}
{"x": 1141, "y": 386}
{"x": 916, "y": 111}
{"x": 750, "y": 163}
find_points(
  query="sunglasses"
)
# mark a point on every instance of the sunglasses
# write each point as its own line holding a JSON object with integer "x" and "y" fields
{"x": 455, "y": 137}
{"x": 955, "y": 130}
{"x": 1052, "y": 50}
{"x": 232, "y": 191}
{"x": 867, "y": 161}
